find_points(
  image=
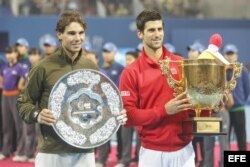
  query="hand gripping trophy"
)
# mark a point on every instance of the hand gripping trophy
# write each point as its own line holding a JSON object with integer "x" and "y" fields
{"x": 204, "y": 80}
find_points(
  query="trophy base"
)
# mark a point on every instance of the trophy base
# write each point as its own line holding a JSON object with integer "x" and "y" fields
{"x": 203, "y": 126}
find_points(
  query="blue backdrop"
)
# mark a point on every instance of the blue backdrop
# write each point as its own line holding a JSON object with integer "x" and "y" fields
{"x": 122, "y": 31}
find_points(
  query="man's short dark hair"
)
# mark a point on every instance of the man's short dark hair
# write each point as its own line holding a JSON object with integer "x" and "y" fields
{"x": 34, "y": 51}
{"x": 10, "y": 49}
{"x": 132, "y": 53}
{"x": 69, "y": 17}
{"x": 145, "y": 16}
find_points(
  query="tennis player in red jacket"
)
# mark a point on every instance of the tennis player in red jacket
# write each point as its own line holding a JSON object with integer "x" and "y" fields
{"x": 150, "y": 103}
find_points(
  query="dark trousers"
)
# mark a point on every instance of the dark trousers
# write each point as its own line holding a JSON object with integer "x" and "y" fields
{"x": 104, "y": 150}
{"x": 127, "y": 139}
{"x": 238, "y": 123}
{"x": 29, "y": 132}
{"x": 11, "y": 120}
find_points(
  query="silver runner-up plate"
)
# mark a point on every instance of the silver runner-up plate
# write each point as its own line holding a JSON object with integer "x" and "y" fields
{"x": 85, "y": 103}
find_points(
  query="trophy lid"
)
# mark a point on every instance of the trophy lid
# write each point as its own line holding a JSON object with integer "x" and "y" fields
{"x": 212, "y": 52}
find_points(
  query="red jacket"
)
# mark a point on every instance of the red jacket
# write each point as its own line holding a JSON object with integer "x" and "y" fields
{"x": 145, "y": 91}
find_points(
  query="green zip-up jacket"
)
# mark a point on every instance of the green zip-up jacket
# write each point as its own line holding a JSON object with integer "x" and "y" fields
{"x": 42, "y": 77}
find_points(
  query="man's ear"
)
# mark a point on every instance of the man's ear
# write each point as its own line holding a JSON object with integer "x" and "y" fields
{"x": 59, "y": 35}
{"x": 140, "y": 35}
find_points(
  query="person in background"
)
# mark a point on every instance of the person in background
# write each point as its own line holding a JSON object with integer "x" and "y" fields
{"x": 2, "y": 63}
{"x": 110, "y": 67}
{"x": 49, "y": 46}
{"x": 170, "y": 47}
{"x": 130, "y": 57}
{"x": 89, "y": 53}
{"x": 240, "y": 96}
{"x": 113, "y": 70}
{"x": 23, "y": 48}
{"x": 127, "y": 133}
{"x": 194, "y": 50}
{"x": 29, "y": 130}
{"x": 33, "y": 101}
{"x": 150, "y": 102}
{"x": 86, "y": 47}
{"x": 11, "y": 74}
{"x": 34, "y": 56}
{"x": 139, "y": 48}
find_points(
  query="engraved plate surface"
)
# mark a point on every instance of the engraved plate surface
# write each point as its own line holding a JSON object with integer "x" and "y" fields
{"x": 85, "y": 103}
{"x": 208, "y": 127}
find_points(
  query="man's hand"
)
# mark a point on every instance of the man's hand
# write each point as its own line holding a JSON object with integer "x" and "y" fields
{"x": 122, "y": 117}
{"x": 179, "y": 103}
{"x": 225, "y": 103}
{"x": 46, "y": 117}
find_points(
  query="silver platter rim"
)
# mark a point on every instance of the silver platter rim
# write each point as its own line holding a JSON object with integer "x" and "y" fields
{"x": 54, "y": 124}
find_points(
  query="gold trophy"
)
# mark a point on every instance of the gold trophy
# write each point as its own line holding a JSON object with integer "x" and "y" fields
{"x": 205, "y": 82}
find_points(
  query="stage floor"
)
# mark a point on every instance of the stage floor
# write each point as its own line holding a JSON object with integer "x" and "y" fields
{"x": 112, "y": 158}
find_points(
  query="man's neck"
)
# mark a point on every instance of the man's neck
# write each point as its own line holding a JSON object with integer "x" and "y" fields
{"x": 24, "y": 56}
{"x": 12, "y": 63}
{"x": 71, "y": 55}
{"x": 154, "y": 54}
{"x": 107, "y": 64}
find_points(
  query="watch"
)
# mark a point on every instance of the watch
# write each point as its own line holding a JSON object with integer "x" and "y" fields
{"x": 35, "y": 115}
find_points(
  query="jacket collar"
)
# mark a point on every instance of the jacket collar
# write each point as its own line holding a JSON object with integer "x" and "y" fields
{"x": 152, "y": 63}
{"x": 63, "y": 55}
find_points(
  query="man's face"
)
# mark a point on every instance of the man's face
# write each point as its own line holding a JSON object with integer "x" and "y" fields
{"x": 152, "y": 35}
{"x": 11, "y": 57}
{"x": 49, "y": 49}
{"x": 108, "y": 57}
{"x": 22, "y": 50}
{"x": 231, "y": 57}
{"x": 193, "y": 54}
{"x": 34, "y": 58}
{"x": 129, "y": 59}
{"x": 72, "y": 38}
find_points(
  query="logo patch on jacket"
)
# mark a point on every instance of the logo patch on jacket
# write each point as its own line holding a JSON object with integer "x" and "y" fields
{"x": 173, "y": 71}
{"x": 125, "y": 93}
{"x": 114, "y": 72}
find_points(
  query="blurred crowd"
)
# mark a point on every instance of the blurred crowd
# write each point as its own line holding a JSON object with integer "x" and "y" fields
{"x": 101, "y": 8}
{"x": 105, "y": 8}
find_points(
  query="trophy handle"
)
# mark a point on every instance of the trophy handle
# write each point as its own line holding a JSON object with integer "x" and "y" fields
{"x": 173, "y": 83}
{"x": 237, "y": 68}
